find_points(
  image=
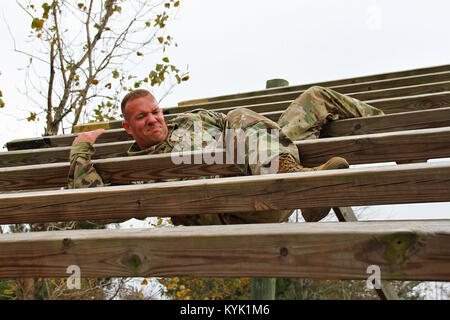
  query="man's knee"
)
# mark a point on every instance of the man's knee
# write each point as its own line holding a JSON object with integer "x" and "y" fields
{"x": 314, "y": 90}
{"x": 239, "y": 112}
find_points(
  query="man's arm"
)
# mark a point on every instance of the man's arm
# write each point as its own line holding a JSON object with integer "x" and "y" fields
{"x": 82, "y": 173}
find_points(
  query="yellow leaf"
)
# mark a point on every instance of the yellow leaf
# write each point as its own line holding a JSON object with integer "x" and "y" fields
{"x": 94, "y": 82}
{"x": 32, "y": 117}
{"x": 144, "y": 283}
{"x": 160, "y": 39}
{"x": 139, "y": 54}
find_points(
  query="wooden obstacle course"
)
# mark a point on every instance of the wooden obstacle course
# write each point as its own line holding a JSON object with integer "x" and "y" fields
{"x": 416, "y": 128}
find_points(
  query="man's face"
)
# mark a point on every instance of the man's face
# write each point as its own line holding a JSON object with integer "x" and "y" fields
{"x": 144, "y": 120}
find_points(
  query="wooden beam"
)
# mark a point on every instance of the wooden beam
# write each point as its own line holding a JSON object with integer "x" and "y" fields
{"x": 407, "y": 183}
{"x": 391, "y": 105}
{"x": 361, "y": 92}
{"x": 286, "y": 93}
{"x": 413, "y": 120}
{"x": 398, "y": 146}
{"x": 59, "y": 154}
{"x": 63, "y": 140}
{"x": 119, "y": 134}
{"x": 381, "y": 147}
{"x": 386, "y": 291}
{"x": 370, "y": 78}
{"x": 422, "y": 119}
{"x": 404, "y": 250}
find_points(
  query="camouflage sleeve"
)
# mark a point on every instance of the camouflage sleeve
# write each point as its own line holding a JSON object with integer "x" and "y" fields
{"x": 82, "y": 173}
{"x": 216, "y": 119}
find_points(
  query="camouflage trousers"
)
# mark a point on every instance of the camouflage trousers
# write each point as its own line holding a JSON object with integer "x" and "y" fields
{"x": 303, "y": 119}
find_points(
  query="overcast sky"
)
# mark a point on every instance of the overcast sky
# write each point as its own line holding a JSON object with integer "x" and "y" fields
{"x": 235, "y": 46}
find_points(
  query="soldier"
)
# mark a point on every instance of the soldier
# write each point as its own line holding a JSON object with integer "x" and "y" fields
{"x": 303, "y": 119}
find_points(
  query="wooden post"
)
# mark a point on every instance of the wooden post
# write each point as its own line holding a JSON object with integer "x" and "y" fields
{"x": 264, "y": 288}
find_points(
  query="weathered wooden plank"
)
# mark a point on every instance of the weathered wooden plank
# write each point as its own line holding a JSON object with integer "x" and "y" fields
{"x": 400, "y": 146}
{"x": 421, "y": 119}
{"x": 273, "y": 96}
{"x": 121, "y": 170}
{"x": 404, "y": 250}
{"x": 413, "y": 120}
{"x": 63, "y": 140}
{"x": 271, "y": 110}
{"x": 386, "y": 290}
{"x": 391, "y": 105}
{"x": 59, "y": 154}
{"x": 373, "y": 91}
{"x": 383, "y": 147}
{"x": 370, "y": 78}
{"x": 407, "y": 183}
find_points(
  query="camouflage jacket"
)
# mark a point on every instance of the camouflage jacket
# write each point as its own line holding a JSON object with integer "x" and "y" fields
{"x": 184, "y": 131}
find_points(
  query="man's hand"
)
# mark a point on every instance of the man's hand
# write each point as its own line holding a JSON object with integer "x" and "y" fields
{"x": 90, "y": 136}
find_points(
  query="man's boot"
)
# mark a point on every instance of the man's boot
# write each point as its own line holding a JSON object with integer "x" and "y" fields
{"x": 288, "y": 164}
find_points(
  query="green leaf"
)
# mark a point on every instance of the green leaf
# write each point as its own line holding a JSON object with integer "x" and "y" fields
{"x": 165, "y": 59}
{"x": 176, "y": 4}
{"x": 37, "y": 24}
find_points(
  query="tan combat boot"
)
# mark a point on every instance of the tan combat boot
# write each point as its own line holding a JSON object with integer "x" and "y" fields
{"x": 288, "y": 164}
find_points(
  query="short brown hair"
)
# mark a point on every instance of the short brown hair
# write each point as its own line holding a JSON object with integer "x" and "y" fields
{"x": 134, "y": 95}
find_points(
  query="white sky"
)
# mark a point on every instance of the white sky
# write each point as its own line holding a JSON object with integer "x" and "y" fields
{"x": 235, "y": 46}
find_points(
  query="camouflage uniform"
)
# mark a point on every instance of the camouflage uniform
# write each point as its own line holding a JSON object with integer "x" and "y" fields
{"x": 303, "y": 119}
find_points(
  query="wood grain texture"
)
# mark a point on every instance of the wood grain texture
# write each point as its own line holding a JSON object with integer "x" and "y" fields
{"x": 421, "y": 119}
{"x": 287, "y": 94}
{"x": 64, "y": 140}
{"x": 407, "y": 183}
{"x": 414, "y": 120}
{"x": 390, "y": 105}
{"x": 60, "y": 154}
{"x": 355, "y": 80}
{"x": 370, "y": 91}
{"x": 404, "y": 250}
{"x": 401, "y": 146}
{"x": 396, "y": 146}
{"x": 386, "y": 290}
